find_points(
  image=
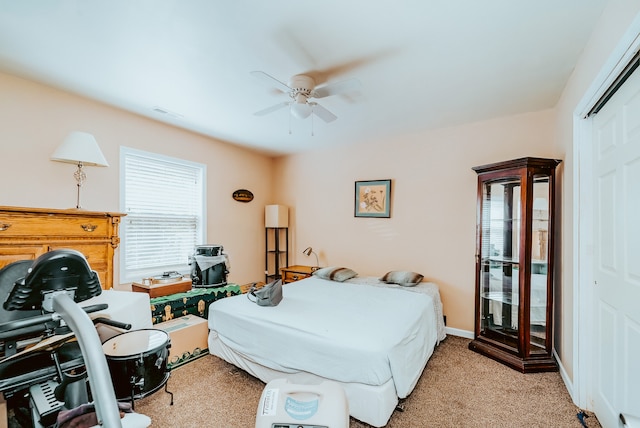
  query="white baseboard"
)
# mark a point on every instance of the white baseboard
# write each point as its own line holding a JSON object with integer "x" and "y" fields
{"x": 457, "y": 332}
{"x": 565, "y": 377}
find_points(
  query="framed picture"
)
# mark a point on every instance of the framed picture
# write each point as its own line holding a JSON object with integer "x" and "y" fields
{"x": 373, "y": 198}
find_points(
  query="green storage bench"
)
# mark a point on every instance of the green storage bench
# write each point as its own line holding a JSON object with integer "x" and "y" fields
{"x": 193, "y": 302}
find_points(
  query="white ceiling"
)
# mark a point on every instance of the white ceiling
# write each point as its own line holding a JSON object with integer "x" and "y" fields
{"x": 422, "y": 63}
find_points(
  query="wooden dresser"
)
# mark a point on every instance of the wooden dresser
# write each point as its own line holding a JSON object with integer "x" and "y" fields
{"x": 26, "y": 233}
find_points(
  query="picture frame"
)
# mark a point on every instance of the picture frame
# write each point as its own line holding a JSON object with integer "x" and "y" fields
{"x": 373, "y": 199}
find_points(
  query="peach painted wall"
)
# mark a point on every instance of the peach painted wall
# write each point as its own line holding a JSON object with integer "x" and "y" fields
{"x": 35, "y": 120}
{"x": 433, "y": 211}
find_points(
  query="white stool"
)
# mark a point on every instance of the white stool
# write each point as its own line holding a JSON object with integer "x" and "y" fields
{"x": 287, "y": 405}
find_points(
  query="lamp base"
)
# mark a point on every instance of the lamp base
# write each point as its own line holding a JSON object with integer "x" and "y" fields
{"x": 78, "y": 207}
{"x": 80, "y": 177}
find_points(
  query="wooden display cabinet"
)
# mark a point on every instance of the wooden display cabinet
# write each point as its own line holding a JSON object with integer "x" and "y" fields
{"x": 514, "y": 263}
{"x": 26, "y": 233}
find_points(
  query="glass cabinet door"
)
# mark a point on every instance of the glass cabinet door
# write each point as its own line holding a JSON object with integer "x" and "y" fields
{"x": 539, "y": 263}
{"x": 500, "y": 258}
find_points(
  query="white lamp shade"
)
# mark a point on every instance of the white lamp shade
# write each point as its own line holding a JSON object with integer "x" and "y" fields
{"x": 80, "y": 147}
{"x": 276, "y": 216}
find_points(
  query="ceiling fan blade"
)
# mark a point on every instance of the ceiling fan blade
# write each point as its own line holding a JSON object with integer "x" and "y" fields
{"x": 322, "y": 113}
{"x": 271, "y": 81}
{"x": 337, "y": 88}
{"x": 271, "y": 109}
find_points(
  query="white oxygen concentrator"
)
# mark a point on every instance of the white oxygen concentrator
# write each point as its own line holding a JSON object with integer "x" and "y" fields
{"x": 287, "y": 405}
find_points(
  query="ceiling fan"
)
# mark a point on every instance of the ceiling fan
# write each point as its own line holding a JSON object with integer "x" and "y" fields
{"x": 301, "y": 89}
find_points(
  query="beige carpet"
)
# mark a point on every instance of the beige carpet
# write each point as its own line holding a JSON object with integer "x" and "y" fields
{"x": 459, "y": 388}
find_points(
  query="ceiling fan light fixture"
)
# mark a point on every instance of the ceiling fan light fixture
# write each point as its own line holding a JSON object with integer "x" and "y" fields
{"x": 301, "y": 89}
{"x": 300, "y": 110}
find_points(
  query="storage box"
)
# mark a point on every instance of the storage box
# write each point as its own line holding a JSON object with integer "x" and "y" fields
{"x": 194, "y": 302}
{"x": 159, "y": 290}
{"x": 188, "y": 336}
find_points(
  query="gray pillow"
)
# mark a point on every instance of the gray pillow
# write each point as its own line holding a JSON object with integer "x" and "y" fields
{"x": 402, "y": 277}
{"x": 334, "y": 273}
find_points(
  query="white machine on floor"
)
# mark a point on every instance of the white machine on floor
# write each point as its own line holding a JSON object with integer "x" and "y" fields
{"x": 287, "y": 405}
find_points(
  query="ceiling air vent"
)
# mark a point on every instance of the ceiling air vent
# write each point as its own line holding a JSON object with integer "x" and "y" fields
{"x": 164, "y": 111}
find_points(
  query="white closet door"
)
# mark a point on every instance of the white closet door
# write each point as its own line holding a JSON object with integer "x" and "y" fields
{"x": 616, "y": 143}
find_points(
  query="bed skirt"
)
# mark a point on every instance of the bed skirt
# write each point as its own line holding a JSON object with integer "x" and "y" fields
{"x": 373, "y": 405}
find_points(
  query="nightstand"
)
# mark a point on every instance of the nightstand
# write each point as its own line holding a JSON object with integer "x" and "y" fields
{"x": 296, "y": 273}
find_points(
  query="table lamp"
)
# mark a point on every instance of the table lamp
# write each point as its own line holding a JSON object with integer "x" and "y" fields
{"x": 82, "y": 149}
{"x": 308, "y": 251}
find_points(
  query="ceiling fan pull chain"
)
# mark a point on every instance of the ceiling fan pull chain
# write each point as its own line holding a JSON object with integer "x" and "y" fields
{"x": 312, "y": 121}
{"x": 289, "y": 119}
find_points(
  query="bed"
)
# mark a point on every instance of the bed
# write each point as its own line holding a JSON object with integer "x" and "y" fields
{"x": 372, "y": 337}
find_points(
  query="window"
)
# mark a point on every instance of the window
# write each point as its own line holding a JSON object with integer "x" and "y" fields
{"x": 163, "y": 198}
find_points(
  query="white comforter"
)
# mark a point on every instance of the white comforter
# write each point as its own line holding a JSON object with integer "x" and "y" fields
{"x": 348, "y": 332}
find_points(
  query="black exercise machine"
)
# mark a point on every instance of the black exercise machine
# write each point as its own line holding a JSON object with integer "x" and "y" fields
{"x": 38, "y": 320}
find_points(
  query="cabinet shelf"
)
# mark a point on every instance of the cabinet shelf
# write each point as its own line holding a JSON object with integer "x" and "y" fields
{"x": 501, "y": 297}
{"x": 500, "y": 260}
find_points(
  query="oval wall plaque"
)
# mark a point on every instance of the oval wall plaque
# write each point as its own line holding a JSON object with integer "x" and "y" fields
{"x": 243, "y": 195}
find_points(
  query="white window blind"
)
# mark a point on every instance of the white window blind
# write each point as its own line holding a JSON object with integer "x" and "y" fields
{"x": 163, "y": 200}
